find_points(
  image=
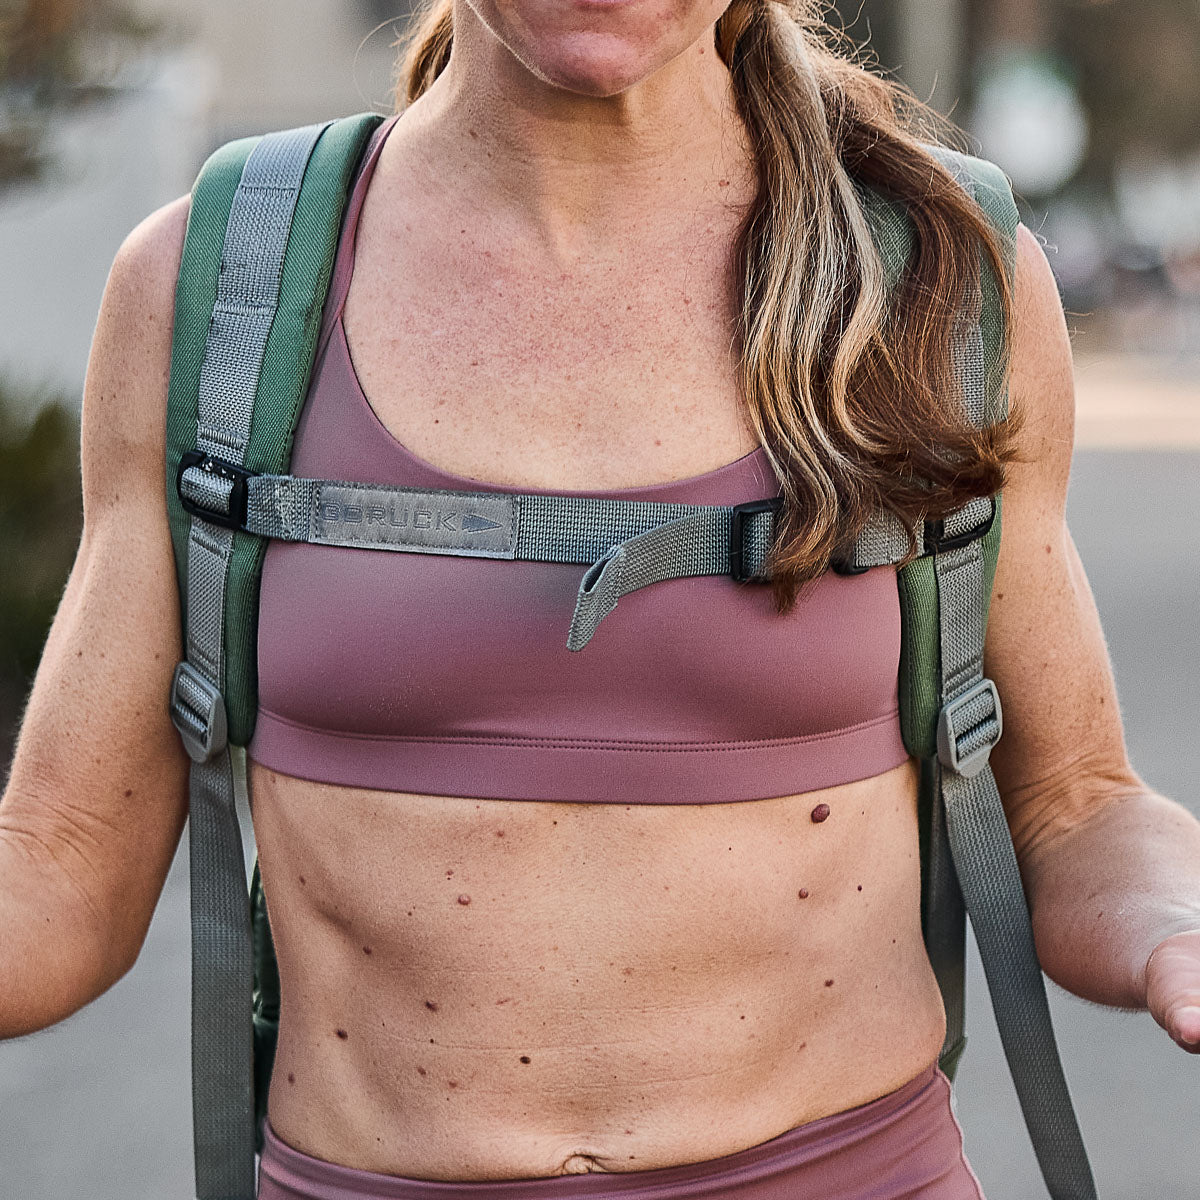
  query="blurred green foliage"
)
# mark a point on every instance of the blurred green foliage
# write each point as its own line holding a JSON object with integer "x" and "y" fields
{"x": 41, "y": 518}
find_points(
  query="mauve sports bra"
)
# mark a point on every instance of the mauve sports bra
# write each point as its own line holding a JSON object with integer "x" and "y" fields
{"x": 450, "y": 676}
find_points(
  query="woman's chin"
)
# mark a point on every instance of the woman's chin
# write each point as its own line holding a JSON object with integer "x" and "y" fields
{"x": 597, "y": 64}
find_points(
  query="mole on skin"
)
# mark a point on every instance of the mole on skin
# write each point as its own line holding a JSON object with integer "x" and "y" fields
{"x": 431, "y": 1005}
{"x": 803, "y": 893}
{"x": 820, "y": 813}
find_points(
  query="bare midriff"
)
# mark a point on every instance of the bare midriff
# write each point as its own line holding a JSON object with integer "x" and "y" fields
{"x": 497, "y": 989}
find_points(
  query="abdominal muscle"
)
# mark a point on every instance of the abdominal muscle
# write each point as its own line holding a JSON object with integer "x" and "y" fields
{"x": 492, "y": 989}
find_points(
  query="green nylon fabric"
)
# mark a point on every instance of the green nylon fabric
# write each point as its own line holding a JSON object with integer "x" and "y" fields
{"x": 920, "y": 654}
{"x": 195, "y": 298}
{"x": 287, "y": 362}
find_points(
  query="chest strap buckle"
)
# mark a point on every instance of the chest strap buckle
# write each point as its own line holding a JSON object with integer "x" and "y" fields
{"x": 756, "y": 518}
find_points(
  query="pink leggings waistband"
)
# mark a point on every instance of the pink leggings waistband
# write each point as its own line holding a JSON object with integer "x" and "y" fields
{"x": 906, "y": 1145}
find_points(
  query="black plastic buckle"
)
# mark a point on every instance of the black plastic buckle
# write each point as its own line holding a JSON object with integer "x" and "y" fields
{"x": 847, "y": 566}
{"x": 737, "y": 532}
{"x": 236, "y": 517}
{"x": 937, "y": 541}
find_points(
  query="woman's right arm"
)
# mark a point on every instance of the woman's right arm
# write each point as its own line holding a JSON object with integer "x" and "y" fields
{"x": 97, "y": 797}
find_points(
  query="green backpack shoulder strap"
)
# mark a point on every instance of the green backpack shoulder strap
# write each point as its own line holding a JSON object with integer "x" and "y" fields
{"x": 257, "y": 262}
{"x": 287, "y": 359}
{"x": 920, "y": 676}
{"x": 951, "y": 719}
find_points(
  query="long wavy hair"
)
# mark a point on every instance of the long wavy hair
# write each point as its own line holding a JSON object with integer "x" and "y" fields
{"x": 849, "y": 383}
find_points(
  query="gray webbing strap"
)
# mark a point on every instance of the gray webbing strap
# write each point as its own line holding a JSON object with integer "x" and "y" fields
{"x": 629, "y": 544}
{"x": 977, "y": 834}
{"x": 222, "y": 1045}
{"x": 535, "y": 528}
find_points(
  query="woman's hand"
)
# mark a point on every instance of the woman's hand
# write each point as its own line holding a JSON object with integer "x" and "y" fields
{"x": 1173, "y": 988}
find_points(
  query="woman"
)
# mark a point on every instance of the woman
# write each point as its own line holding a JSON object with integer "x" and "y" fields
{"x": 553, "y": 277}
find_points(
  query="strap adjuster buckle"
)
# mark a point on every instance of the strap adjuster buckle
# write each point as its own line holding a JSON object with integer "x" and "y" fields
{"x": 937, "y": 541}
{"x": 237, "y": 476}
{"x": 969, "y": 726}
{"x": 198, "y": 712}
{"x": 738, "y": 558}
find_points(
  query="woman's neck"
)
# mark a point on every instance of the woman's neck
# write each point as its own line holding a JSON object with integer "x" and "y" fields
{"x": 575, "y": 169}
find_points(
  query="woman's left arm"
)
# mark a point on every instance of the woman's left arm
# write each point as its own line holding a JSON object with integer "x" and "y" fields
{"x": 1111, "y": 869}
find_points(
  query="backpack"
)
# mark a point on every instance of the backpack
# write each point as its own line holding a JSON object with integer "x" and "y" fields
{"x": 265, "y": 218}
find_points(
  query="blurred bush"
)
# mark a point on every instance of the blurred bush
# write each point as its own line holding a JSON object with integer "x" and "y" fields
{"x": 41, "y": 518}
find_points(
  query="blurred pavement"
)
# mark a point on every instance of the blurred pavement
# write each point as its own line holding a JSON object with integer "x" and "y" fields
{"x": 99, "y": 1106}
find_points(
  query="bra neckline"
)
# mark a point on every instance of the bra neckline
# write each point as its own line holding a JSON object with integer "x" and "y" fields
{"x": 755, "y": 458}
{"x": 458, "y": 482}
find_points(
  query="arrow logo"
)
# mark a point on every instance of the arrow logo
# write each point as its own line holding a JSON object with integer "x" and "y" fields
{"x": 471, "y": 523}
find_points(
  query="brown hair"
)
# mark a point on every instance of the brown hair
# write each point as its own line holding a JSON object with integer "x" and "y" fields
{"x": 849, "y": 383}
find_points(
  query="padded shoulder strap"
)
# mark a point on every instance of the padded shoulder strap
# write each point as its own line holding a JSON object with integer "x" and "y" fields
{"x": 970, "y": 844}
{"x": 256, "y": 265}
{"x": 271, "y": 406}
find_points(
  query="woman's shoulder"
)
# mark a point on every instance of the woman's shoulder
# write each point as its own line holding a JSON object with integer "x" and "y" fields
{"x": 129, "y": 365}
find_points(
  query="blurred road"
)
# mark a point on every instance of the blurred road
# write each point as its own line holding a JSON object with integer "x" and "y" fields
{"x": 99, "y": 1106}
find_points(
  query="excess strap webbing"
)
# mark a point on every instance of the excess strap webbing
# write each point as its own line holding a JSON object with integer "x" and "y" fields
{"x": 235, "y": 380}
{"x": 970, "y": 819}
